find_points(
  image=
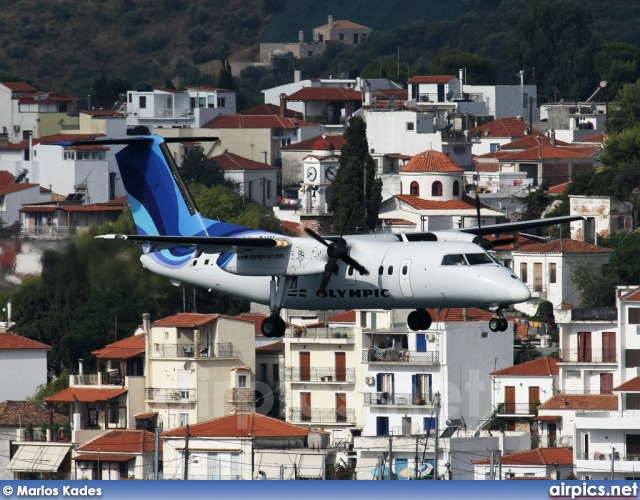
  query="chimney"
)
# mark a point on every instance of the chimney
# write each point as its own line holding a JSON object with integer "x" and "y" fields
{"x": 300, "y": 37}
{"x": 330, "y": 22}
{"x": 553, "y": 137}
{"x": 283, "y": 104}
{"x": 80, "y": 366}
{"x": 297, "y": 75}
{"x": 461, "y": 78}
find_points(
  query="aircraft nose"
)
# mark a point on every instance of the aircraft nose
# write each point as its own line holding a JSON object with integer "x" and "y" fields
{"x": 519, "y": 291}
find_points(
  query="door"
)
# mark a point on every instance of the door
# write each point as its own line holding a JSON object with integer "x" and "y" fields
{"x": 341, "y": 407}
{"x": 305, "y": 366}
{"x": 305, "y": 406}
{"x": 584, "y": 347}
{"x": 341, "y": 367}
{"x": 421, "y": 342}
{"x": 551, "y": 431}
{"x": 585, "y": 446}
{"x": 405, "y": 278}
{"x": 537, "y": 276}
{"x": 384, "y": 384}
{"x": 534, "y": 397}
{"x": 183, "y": 383}
{"x": 510, "y": 400}
{"x": 609, "y": 347}
{"x": 606, "y": 383}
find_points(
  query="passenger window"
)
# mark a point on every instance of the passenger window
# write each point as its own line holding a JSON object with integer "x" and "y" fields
{"x": 206, "y": 262}
{"x": 390, "y": 270}
{"x": 404, "y": 270}
{"x": 195, "y": 262}
{"x": 454, "y": 260}
{"x": 381, "y": 270}
{"x": 350, "y": 271}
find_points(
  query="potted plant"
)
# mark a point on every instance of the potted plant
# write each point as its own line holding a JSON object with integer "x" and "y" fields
{"x": 29, "y": 431}
{"x": 43, "y": 430}
{"x": 55, "y": 431}
{"x": 66, "y": 429}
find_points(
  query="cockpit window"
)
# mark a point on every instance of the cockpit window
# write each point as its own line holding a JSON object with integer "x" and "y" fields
{"x": 478, "y": 258}
{"x": 454, "y": 260}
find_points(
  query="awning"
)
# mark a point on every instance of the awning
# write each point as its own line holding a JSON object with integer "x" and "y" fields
{"x": 308, "y": 464}
{"x": 85, "y": 395}
{"x": 547, "y": 418}
{"x": 103, "y": 457}
{"x": 38, "y": 458}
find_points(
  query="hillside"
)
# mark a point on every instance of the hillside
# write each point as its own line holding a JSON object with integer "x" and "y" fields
{"x": 68, "y": 45}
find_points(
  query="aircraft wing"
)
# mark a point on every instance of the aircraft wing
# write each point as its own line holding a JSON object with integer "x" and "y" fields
{"x": 212, "y": 244}
{"x": 513, "y": 227}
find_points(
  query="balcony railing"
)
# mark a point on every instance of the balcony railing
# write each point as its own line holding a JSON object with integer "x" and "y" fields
{"x": 587, "y": 355}
{"x": 376, "y": 355}
{"x": 347, "y": 375}
{"x": 558, "y": 442}
{"x": 321, "y": 333}
{"x": 242, "y": 395}
{"x": 327, "y": 415}
{"x": 394, "y": 398}
{"x": 171, "y": 395}
{"x": 224, "y": 350}
{"x": 516, "y": 409}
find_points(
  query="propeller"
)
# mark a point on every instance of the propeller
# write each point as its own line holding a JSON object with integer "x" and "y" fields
{"x": 336, "y": 251}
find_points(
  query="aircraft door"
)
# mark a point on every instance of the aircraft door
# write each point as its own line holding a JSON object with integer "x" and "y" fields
{"x": 405, "y": 278}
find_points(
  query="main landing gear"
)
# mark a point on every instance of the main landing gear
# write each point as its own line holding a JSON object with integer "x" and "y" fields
{"x": 419, "y": 320}
{"x": 499, "y": 324}
{"x": 274, "y": 325}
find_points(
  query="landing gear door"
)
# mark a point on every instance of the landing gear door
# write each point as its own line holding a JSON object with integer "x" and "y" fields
{"x": 405, "y": 278}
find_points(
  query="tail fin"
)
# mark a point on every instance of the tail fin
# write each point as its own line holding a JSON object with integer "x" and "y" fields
{"x": 160, "y": 201}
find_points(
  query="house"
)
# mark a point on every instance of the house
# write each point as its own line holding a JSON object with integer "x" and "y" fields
{"x": 332, "y": 106}
{"x": 118, "y": 454}
{"x": 540, "y": 463}
{"x": 490, "y": 137}
{"x": 270, "y": 382}
{"x": 162, "y": 108}
{"x": 546, "y": 269}
{"x": 573, "y": 121}
{"x": 518, "y": 391}
{"x": 257, "y": 181}
{"x": 604, "y": 216}
{"x": 13, "y": 196}
{"x": 245, "y": 446}
{"x": 14, "y": 418}
{"x": 26, "y": 112}
{"x": 23, "y": 361}
{"x": 346, "y": 32}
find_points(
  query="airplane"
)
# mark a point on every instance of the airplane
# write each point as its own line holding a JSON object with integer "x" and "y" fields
{"x": 436, "y": 269}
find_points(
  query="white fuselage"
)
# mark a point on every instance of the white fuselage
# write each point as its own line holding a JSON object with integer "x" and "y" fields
{"x": 401, "y": 275}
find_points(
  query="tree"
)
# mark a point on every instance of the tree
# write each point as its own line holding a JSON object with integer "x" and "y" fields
{"x": 226, "y": 78}
{"x": 625, "y": 113}
{"x": 355, "y": 193}
{"x": 617, "y": 63}
{"x": 478, "y": 69}
{"x": 196, "y": 168}
{"x": 535, "y": 203}
{"x": 597, "y": 284}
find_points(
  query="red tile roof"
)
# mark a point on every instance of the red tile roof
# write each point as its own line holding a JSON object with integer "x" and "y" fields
{"x": 325, "y": 94}
{"x": 18, "y": 413}
{"x": 632, "y": 296}
{"x": 232, "y": 161}
{"x": 122, "y": 441}
{"x": 250, "y": 121}
{"x": 210, "y": 89}
{"x": 397, "y": 222}
{"x": 539, "y": 456}
{"x": 632, "y": 385}
{"x": 421, "y": 204}
{"x": 597, "y": 138}
{"x": 307, "y": 145}
{"x": 431, "y": 161}
{"x": 271, "y": 109}
{"x": 386, "y": 94}
{"x": 189, "y": 320}
{"x": 13, "y": 342}
{"x": 458, "y": 315}
{"x": 432, "y": 79}
{"x": 581, "y": 402}
{"x": 91, "y": 208}
{"x": 85, "y": 395}
{"x": 241, "y": 424}
{"x": 148, "y": 414}
{"x": 342, "y": 24}
{"x": 546, "y": 418}
{"x": 122, "y": 349}
{"x": 19, "y": 87}
{"x": 275, "y": 348}
{"x": 531, "y": 141}
{"x": 558, "y": 189}
{"x": 45, "y": 98}
{"x": 6, "y": 177}
{"x": 103, "y": 457}
{"x": 540, "y": 367}
{"x": 31, "y": 209}
{"x": 14, "y": 188}
{"x": 546, "y": 153}
{"x": 256, "y": 318}
{"x": 504, "y": 127}
{"x": 98, "y": 113}
{"x": 344, "y": 317}
{"x": 565, "y": 245}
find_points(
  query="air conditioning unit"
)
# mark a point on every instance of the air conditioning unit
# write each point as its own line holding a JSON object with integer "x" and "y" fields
{"x": 431, "y": 337}
{"x": 370, "y": 380}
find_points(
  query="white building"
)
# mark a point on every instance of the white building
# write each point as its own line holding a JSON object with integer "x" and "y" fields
{"x": 23, "y": 361}
{"x": 605, "y": 216}
{"x": 541, "y": 463}
{"x": 257, "y": 181}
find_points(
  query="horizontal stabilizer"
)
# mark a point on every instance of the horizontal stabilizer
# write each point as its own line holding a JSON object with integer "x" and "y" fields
{"x": 214, "y": 244}
{"x": 123, "y": 141}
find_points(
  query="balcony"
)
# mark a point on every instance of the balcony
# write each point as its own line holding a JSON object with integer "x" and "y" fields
{"x": 557, "y": 442}
{"x": 242, "y": 395}
{"x": 516, "y": 409}
{"x": 377, "y": 355}
{"x": 587, "y": 355}
{"x": 158, "y": 395}
{"x": 397, "y": 399}
{"x": 322, "y": 415}
{"x": 335, "y": 375}
{"x": 336, "y": 335}
{"x": 538, "y": 292}
{"x": 225, "y": 350}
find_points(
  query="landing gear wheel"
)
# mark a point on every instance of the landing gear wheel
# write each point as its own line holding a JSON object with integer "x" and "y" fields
{"x": 419, "y": 320}
{"x": 504, "y": 324}
{"x": 281, "y": 327}
{"x": 269, "y": 327}
{"x": 495, "y": 324}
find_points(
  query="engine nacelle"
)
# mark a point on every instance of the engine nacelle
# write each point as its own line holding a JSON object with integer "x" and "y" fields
{"x": 303, "y": 257}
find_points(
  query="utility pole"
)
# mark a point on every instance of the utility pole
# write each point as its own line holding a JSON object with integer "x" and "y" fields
{"x": 324, "y": 467}
{"x": 156, "y": 453}
{"x": 416, "y": 460}
{"x": 390, "y": 455}
{"x": 491, "y": 472}
{"x": 436, "y": 407}
{"x": 281, "y": 472}
{"x": 186, "y": 451}
{"x": 499, "y": 465}
{"x": 380, "y": 466}
{"x": 613, "y": 457}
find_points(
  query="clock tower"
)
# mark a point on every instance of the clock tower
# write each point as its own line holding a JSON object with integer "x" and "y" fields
{"x": 319, "y": 171}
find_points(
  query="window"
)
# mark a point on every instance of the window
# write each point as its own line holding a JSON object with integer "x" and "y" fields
{"x": 459, "y": 150}
{"x": 573, "y": 374}
{"x": 493, "y": 147}
{"x": 320, "y": 38}
{"x": 341, "y": 36}
{"x": 410, "y": 126}
{"x": 454, "y": 260}
{"x": 634, "y": 315}
{"x": 523, "y": 272}
{"x": 202, "y": 102}
{"x": 414, "y": 189}
{"x": 475, "y": 259}
{"x": 552, "y": 272}
{"x": 456, "y": 188}
{"x": 390, "y": 270}
{"x": 380, "y": 270}
{"x": 222, "y": 102}
{"x": 142, "y": 102}
{"x": 276, "y": 372}
{"x": 429, "y": 424}
{"x": 184, "y": 418}
{"x": 382, "y": 426}
{"x": 632, "y": 358}
{"x": 436, "y": 189}
{"x": 263, "y": 372}
{"x": 242, "y": 381}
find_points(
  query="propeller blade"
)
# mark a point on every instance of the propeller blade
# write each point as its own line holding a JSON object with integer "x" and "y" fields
{"x": 328, "y": 271}
{"x": 316, "y": 236}
{"x": 355, "y": 264}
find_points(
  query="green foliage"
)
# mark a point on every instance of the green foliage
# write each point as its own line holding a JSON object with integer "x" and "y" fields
{"x": 198, "y": 36}
{"x": 355, "y": 193}
{"x": 149, "y": 42}
{"x": 625, "y": 113}
{"x": 535, "y": 203}
{"x": 197, "y": 168}
{"x": 226, "y": 78}
{"x": 341, "y": 471}
{"x": 59, "y": 383}
{"x": 478, "y": 69}
{"x": 617, "y": 63}
{"x": 624, "y": 267}
{"x": 527, "y": 351}
{"x": 597, "y": 284}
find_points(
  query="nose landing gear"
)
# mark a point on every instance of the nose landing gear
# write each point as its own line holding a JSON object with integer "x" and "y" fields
{"x": 499, "y": 324}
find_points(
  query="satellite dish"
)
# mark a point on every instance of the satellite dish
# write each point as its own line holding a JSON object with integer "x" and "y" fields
{"x": 603, "y": 84}
{"x": 187, "y": 365}
{"x": 23, "y": 171}
{"x": 561, "y": 101}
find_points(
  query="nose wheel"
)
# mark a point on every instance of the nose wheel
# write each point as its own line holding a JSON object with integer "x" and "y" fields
{"x": 419, "y": 320}
{"x": 498, "y": 325}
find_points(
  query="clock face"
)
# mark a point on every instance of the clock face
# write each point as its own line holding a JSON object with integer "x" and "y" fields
{"x": 330, "y": 173}
{"x": 312, "y": 174}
